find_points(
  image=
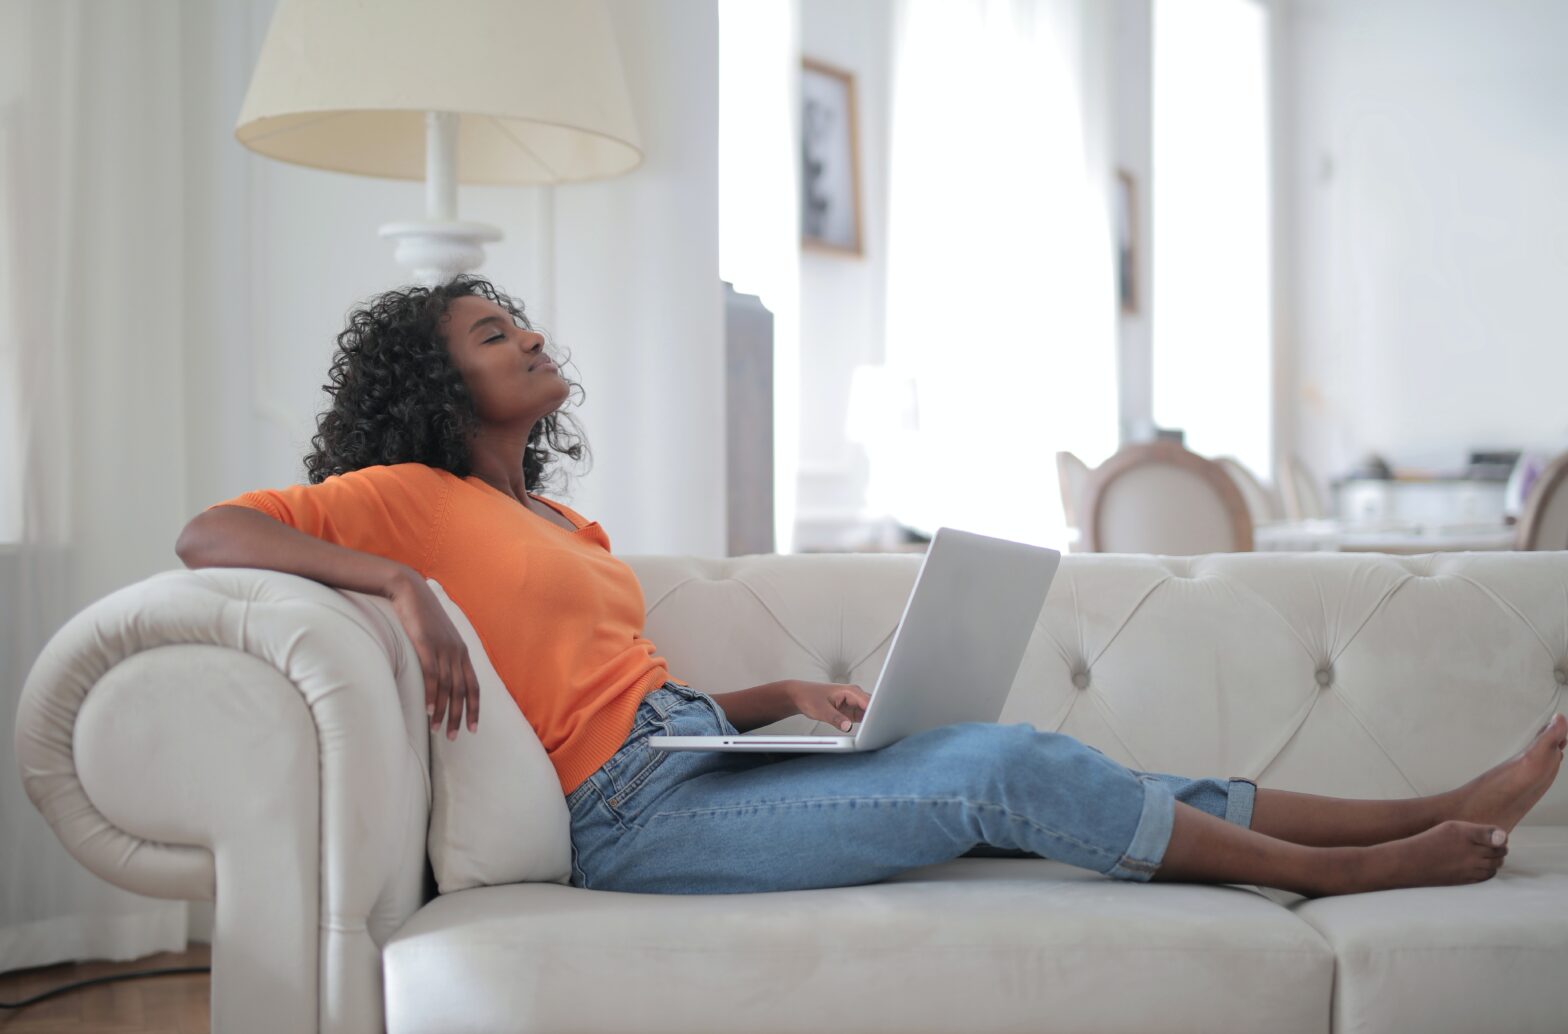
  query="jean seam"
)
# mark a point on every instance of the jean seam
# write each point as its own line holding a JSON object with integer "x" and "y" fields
{"x": 619, "y": 798}
{"x": 684, "y": 695}
{"x": 589, "y": 789}
{"x": 616, "y": 801}
{"x": 1011, "y": 815}
{"x": 577, "y": 870}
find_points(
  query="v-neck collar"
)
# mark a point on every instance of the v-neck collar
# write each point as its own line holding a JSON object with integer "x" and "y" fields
{"x": 491, "y": 488}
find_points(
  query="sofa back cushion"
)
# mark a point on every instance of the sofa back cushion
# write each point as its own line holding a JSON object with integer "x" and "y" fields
{"x": 497, "y": 814}
{"x": 1343, "y": 674}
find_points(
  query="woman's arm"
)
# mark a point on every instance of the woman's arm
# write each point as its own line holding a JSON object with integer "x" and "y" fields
{"x": 837, "y": 703}
{"x": 749, "y": 709}
{"x": 237, "y": 536}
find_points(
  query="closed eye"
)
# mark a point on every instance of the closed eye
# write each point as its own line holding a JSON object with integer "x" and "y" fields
{"x": 498, "y": 337}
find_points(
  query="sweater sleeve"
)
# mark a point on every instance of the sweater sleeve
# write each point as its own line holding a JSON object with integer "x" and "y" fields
{"x": 390, "y": 511}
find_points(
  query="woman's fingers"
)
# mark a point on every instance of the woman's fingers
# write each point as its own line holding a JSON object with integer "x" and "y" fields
{"x": 458, "y": 689}
{"x": 473, "y": 693}
{"x": 432, "y": 677}
{"x": 451, "y": 688}
{"x": 847, "y": 708}
{"x": 459, "y": 697}
{"x": 443, "y": 692}
{"x": 854, "y": 702}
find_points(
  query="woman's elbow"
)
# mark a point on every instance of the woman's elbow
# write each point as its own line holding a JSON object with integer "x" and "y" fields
{"x": 188, "y": 546}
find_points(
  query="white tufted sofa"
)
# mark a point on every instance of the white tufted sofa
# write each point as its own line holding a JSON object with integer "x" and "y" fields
{"x": 260, "y": 737}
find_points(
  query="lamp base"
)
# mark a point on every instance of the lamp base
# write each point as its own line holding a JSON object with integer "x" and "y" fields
{"x": 437, "y": 250}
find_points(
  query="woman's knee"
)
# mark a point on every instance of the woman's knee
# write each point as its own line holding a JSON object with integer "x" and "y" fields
{"x": 985, "y": 754}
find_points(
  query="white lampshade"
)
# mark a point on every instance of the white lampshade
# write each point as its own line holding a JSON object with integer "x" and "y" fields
{"x": 538, "y": 86}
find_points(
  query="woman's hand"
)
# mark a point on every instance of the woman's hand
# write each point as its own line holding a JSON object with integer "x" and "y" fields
{"x": 836, "y": 703}
{"x": 443, "y": 656}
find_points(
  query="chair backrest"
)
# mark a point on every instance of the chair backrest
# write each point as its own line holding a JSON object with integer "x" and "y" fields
{"x": 1300, "y": 489}
{"x": 1544, "y": 524}
{"x": 1262, "y": 502}
{"x": 1072, "y": 474}
{"x": 1157, "y": 497}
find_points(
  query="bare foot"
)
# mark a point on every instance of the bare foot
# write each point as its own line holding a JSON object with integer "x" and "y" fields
{"x": 1505, "y": 794}
{"x": 1449, "y": 853}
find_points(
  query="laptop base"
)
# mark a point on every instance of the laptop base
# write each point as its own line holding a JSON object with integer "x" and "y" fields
{"x": 804, "y": 744}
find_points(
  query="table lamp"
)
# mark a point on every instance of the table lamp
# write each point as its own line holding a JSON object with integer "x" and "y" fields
{"x": 483, "y": 91}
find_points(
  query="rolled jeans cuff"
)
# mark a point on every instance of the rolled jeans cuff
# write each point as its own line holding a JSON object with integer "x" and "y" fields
{"x": 1238, "y": 802}
{"x": 1152, "y": 836}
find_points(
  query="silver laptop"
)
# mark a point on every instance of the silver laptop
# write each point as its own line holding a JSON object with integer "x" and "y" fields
{"x": 955, "y": 652}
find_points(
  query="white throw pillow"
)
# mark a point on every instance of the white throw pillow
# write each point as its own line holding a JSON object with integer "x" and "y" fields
{"x": 497, "y": 814}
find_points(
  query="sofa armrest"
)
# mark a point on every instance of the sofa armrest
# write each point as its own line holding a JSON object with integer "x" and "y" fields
{"x": 252, "y": 737}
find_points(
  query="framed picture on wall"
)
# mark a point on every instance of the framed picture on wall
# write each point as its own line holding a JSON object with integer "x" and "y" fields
{"x": 829, "y": 159}
{"x": 1126, "y": 196}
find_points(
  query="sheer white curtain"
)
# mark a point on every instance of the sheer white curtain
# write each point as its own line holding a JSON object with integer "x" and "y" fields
{"x": 92, "y": 427}
{"x": 1000, "y": 277}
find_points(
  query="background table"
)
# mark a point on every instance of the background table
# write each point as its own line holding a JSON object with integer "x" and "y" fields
{"x": 1388, "y": 537}
{"x": 1441, "y": 501}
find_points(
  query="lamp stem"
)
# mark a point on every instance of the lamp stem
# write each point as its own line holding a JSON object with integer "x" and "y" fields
{"x": 441, "y": 165}
{"x": 439, "y": 247}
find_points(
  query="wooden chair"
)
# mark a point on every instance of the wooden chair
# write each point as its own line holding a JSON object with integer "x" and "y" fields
{"x": 1302, "y": 499}
{"x": 1544, "y": 524}
{"x": 1072, "y": 474}
{"x": 1263, "y": 502}
{"x": 1157, "y": 497}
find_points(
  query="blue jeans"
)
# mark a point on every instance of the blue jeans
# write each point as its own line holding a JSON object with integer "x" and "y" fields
{"x": 710, "y": 822}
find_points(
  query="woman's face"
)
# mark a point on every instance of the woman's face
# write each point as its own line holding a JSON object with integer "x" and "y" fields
{"x": 494, "y": 356}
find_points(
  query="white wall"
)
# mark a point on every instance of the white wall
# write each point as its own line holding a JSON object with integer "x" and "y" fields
{"x": 842, "y": 297}
{"x": 1427, "y": 229}
{"x": 635, "y": 259}
{"x": 641, "y": 305}
{"x": 1132, "y": 149}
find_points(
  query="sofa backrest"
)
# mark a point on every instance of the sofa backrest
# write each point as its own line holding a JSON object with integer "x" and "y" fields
{"x": 1349, "y": 674}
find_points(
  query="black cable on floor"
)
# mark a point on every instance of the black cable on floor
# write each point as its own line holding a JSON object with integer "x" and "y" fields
{"x": 103, "y": 980}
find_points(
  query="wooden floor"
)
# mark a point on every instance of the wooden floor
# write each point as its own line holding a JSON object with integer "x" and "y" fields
{"x": 175, "y": 1003}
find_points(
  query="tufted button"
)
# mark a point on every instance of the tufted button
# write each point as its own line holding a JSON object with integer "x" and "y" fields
{"x": 1081, "y": 679}
{"x": 1324, "y": 676}
{"x": 1562, "y": 677}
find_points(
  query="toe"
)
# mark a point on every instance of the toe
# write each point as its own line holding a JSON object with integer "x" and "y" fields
{"x": 1494, "y": 836}
{"x": 1552, "y": 732}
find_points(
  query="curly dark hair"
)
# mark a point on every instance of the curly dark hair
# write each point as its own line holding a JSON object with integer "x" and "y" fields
{"x": 397, "y": 397}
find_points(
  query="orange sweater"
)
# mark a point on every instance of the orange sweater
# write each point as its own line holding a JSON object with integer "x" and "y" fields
{"x": 559, "y": 617}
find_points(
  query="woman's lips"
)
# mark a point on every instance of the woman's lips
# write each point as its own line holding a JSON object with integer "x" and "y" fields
{"x": 548, "y": 364}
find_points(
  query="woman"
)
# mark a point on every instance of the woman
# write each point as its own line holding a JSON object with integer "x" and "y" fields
{"x": 445, "y": 415}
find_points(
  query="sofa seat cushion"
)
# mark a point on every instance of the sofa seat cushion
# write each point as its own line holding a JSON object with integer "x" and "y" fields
{"x": 974, "y": 944}
{"x": 1482, "y": 956}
